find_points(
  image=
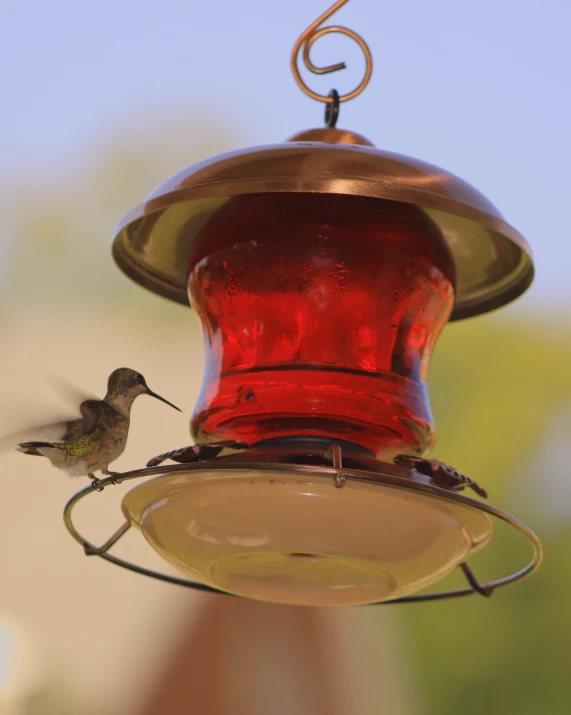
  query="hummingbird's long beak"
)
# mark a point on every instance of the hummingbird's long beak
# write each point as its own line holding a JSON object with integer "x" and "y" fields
{"x": 162, "y": 399}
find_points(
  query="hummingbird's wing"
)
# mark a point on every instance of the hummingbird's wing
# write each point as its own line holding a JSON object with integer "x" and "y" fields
{"x": 92, "y": 411}
{"x": 70, "y": 392}
{"x": 62, "y": 429}
{"x": 51, "y": 432}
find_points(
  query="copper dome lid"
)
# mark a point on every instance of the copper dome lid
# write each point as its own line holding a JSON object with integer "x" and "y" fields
{"x": 493, "y": 261}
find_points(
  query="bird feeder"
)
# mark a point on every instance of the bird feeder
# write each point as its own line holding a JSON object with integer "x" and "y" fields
{"x": 322, "y": 270}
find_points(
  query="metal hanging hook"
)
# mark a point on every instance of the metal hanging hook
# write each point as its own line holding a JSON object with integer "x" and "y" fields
{"x": 311, "y": 35}
{"x": 332, "y": 109}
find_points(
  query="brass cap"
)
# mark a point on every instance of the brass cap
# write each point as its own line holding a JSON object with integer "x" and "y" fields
{"x": 493, "y": 261}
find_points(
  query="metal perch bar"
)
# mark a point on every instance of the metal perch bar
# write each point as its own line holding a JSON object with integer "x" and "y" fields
{"x": 91, "y": 550}
{"x": 483, "y": 590}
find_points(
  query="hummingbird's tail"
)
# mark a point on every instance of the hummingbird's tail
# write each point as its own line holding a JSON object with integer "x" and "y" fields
{"x": 32, "y": 448}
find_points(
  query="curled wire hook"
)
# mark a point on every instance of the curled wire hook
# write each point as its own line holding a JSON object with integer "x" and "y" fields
{"x": 311, "y": 35}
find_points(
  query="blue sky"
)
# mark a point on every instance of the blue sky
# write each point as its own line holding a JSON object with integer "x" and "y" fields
{"x": 481, "y": 89}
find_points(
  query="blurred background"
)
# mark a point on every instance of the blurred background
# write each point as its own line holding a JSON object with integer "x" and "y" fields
{"x": 102, "y": 101}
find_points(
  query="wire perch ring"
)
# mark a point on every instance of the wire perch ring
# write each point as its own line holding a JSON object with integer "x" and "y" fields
{"x": 311, "y": 35}
{"x": 339, "y": 475}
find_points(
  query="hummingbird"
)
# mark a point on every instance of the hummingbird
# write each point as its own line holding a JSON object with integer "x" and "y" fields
{"x": 89, "y": 444}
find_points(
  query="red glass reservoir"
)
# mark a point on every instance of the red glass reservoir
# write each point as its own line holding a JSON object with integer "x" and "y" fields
{"x": 320, "y": 312}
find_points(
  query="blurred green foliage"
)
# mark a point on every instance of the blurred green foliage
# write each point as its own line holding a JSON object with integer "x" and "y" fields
{"x": 59, "y": 224}
{"x": 497, "y": 390}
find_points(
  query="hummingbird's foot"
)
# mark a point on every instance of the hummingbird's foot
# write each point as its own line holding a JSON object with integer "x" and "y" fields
{"x": 113, "y": 476}
{"x": 444, "y": 476}
{"x": 95, "y": 483}
{"x": 195, "y": 452}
